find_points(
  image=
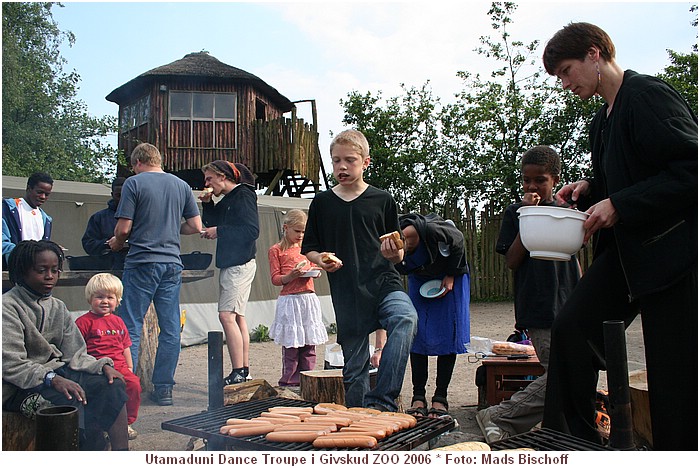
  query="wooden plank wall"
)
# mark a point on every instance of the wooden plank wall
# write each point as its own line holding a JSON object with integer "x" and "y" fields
{"x": 189, "y": 156}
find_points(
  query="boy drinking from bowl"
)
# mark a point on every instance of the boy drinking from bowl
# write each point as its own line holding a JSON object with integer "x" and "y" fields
{"x": 540, "y": 288}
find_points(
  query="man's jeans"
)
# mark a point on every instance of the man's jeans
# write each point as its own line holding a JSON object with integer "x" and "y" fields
{"x": 398, "y": 317}
{"x": 158, "y": 283}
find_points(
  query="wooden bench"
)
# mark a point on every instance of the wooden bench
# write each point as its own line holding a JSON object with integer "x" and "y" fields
{"x": 506, "y": 376}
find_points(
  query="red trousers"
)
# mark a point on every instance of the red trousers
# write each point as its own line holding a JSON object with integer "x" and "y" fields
{"x": 133, "y": 391}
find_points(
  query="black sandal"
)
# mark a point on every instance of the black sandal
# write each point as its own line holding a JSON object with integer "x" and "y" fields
{"x": 418, "y": 411}
{"x": 440, "y": 413}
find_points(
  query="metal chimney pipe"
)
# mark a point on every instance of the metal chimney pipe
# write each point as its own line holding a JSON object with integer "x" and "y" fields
{"x": 621, "y": 430}
{"x": 216, "y": 369}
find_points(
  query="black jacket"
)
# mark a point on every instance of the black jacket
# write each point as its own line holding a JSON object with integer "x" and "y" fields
{"x": 435, "y": 232}
{"x": 645, "y": 159}
{"x": 236, "y": 219}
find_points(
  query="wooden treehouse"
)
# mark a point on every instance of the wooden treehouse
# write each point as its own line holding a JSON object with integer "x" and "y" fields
{"x": 197, "y": 110}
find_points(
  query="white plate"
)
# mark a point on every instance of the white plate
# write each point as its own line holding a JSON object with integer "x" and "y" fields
{"x": 312, "y": 274}
{"x": 432, "y": 289}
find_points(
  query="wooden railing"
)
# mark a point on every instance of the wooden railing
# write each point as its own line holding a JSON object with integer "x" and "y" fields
{"x": 286, "y": 144}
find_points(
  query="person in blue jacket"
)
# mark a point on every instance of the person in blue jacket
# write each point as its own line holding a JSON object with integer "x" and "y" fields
{"x": 23, "y": 218}
{"x": 100, "y": 229}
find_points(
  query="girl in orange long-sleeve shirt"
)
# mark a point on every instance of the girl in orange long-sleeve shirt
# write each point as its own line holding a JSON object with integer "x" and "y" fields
{"x": 298, "y": 326}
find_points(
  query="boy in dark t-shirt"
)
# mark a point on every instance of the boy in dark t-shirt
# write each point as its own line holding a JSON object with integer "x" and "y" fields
{"x": 540, "y": 288}
{"x": 366, "y": 289}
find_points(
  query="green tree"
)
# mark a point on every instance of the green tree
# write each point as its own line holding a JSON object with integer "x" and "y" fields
{"x": 494, "y": 121}
{"x": 682, "y": 73}
{"x": 403, "y": 136}
{"x": 44, "y": 126}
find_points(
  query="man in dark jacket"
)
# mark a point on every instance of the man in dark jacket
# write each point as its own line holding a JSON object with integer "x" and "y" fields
{"x": 100, "y": 228}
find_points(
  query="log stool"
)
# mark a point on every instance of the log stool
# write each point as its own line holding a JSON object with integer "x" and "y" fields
{"x": 322, "y": 386}
{"x": 18, "y": 432}
{"x": 506, "y": 376}
{"x": 326, "y": 386}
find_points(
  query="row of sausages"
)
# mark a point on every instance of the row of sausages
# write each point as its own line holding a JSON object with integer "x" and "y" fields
{"x": 327, "y": 425}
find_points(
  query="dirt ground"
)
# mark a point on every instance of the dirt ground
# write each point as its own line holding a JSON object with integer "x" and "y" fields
{"x": 489, "y": 320}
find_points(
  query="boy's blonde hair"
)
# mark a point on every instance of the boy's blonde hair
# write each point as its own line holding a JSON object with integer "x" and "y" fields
{"x": 353, "y": 138}
{"x": 293, "y": 217}
{"x": 106, "y": 282}
{"x": 147, "y": 154}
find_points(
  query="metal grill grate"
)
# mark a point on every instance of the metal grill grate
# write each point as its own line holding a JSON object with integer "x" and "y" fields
{"x": 206, "y": 425}
{"x": 547, "y": 439}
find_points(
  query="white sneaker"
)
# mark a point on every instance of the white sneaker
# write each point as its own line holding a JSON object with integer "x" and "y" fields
{"x": 131, "y": 432}
{"x": 492, "y": 432}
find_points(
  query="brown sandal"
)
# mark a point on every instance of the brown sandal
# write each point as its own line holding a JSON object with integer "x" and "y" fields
{"x": 423, "y": 411}
{"x": 438, "y": 413}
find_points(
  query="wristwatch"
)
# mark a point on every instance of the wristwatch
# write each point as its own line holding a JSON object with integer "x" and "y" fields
{"x": 48, "y": 378}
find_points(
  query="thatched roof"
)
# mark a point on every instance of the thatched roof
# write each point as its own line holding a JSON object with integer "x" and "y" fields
{"x": 199, "y": 65}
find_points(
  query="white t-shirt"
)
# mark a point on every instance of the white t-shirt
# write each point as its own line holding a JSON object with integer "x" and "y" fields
{"x": 32, "y": 221}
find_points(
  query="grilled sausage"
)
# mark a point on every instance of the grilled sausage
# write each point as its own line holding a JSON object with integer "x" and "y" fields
{"x": 293, "y": 410}
{"x": 252, "y": 430}
{"x": 378, "y": 434}
{"x": 293, "y": 436}
{"x": 345, "y": 441}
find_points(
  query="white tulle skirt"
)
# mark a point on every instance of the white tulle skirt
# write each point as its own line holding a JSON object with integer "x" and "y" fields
{"x": 298, "y": 321}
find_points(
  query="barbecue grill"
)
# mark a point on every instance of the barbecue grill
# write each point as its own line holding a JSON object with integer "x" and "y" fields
{"x": 547, "y": 439}
{"x": 206, "y": 425}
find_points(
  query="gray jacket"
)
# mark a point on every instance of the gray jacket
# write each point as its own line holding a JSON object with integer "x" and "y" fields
{"x": 39, "y": 335}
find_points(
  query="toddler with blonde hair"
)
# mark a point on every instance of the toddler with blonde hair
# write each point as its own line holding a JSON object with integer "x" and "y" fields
{"x": 106, "y": 335}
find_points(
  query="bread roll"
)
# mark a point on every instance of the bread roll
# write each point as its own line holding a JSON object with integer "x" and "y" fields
{"x": 396, "y": 236}
{"x": 506, "y": 347}
{"x": 330, "y": 258}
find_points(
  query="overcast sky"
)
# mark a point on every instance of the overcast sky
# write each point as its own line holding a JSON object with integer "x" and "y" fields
{"x": 324, "y": 50}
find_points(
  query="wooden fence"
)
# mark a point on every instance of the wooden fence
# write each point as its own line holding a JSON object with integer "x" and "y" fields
{"x": 490, "y": 277}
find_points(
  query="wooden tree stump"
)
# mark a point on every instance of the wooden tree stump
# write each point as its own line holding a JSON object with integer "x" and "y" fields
{"x": 147, "y": 350}
{"x": 18, "y": 432}
{"x": 323, "y": 386}
{"x": 639, "y": 399}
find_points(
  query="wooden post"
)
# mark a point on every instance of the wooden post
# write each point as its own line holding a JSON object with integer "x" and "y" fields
{"x": 147, "y": 350}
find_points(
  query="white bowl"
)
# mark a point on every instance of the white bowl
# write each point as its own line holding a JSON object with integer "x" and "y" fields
{"x": 431, "y": 289}
{"x": 551, "y": 232}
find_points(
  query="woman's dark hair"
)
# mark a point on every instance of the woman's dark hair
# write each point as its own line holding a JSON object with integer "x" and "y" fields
{"x": 573, "y": 42}
{"x": 247, "y": 177}
{"x": 224, "y": 168}
{"x": 23, "y": 256}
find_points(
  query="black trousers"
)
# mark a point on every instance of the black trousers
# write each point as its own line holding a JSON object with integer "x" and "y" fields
{"x": 419, "y": 374}
{"x": 670, "y": 325}
{"x": 104, "y": 400}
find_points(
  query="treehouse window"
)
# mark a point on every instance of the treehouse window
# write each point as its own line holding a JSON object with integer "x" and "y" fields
{"x": 202, "y": 120}
{"x": 135, "y": 114}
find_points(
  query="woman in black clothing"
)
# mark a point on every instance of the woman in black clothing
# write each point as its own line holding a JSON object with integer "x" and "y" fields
{"x": 233, "y": 221}
{"x": 642, "y": 202}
